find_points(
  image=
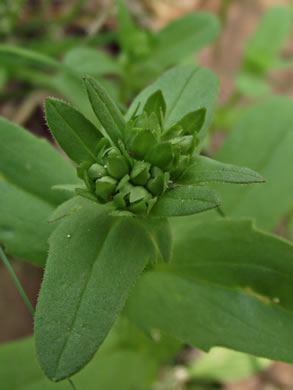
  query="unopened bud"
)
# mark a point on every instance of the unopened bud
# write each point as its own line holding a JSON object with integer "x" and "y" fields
{"x": 105, "y": 187}
{"x": 96, "y": 171}
{"x": 140, "y": 173}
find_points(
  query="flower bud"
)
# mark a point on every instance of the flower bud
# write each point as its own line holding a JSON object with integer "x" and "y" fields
{"x": 96, "y": 171}
{"x": 140, "y": 142}
{"x": 117, "y": 166}
{"x": 158, "y": 184}
{"x": 140, "y": 173}
{"x": 105, "y": 187}
{"x": 160, "y": 155}
{"x": 139, "y": 193}
{"x": 186, "y": 143}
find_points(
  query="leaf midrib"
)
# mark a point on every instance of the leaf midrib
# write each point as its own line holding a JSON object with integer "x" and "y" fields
{"x": 82, "y": 294}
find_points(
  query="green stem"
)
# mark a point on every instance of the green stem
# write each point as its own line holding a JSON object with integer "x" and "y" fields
{"x": 72, "y": 384}
{"x": 16, "y": 281}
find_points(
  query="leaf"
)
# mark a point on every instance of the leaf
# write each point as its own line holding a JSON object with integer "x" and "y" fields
{"x": 264, "y": 46}
{"x": 185, "y": 200}
{"x": 27, "y": 56}
{"x": 105, "y": 109}
{"x": 82, "y": 294}
{"x": 156, "y": 103}
{"x": 253, "y": 85}
{"x": 24, "y": 228}
{"x": 184, "y": 36}
{"x": 204, "y": 170}
{"x": 86, "y": 60}
{"x": 185, "y": 89}
{"x": 179, "y": 40}
{"x": 262, "y": 141}
{"x": 115, "y": 366}
{"x": 228, "y": 285}
{"x": 74, "y": 133}
{"x": 160, "y": 233}
{"x": 32, "y": 164}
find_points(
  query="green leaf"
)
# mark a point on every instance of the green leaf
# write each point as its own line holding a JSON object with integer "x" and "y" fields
{"x": 228, "y": 285}
{"x": 82, "y": 294}
{"x": 105, "y": 109}
{"x": 185, "y": 89}
{"x": 24, "y": 228}
{"x": 120, "y": 364}
{"x": 185, "y": 200}
{"x": 262, "y": 141}
{"x": 264, "y": 46}
{"x": 204, "y": 170}
{"x": 85, "y": 60}
{"x": 252, "y": 85}
{"x": 32, "y": 164}
{"x": 184, "y": 36}
{"x": 156, "y": 103}
{"x": 179, "y": 40}
{"x": 75, "y": 134}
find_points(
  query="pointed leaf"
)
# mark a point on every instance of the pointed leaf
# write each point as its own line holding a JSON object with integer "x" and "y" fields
{"x": 105, "y": 109}
{"x": 185, "y": 200}
{"x": 204, "y": 170}
{"x": 185, "y": 89}
{"x": 232, "y": 282}
{"x": 32, "y": 163}
{"x": 82, "y": 294}
{"x": 156, "y": 103}
{"x": 77, "y": 136}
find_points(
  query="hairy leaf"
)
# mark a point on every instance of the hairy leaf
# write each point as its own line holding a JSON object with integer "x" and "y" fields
{"x": 185, "y": 200}
{"x": 105, "y": 109}
{"x": 77, "y": 136}
{"x": 32, "y": 163}
{"x": 229, "y": 285}
{"x": 82, "y": 294}
{"x": 204, "y": 170}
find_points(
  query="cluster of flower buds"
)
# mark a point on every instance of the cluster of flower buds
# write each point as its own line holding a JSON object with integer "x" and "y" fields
{"x": 133, "y": 174}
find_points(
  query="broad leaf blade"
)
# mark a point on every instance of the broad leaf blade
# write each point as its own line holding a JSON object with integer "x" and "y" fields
{"x": 77, "y": 136}
{"x": 204, "y": 170}
{"x": 185, "y": 89}
{"x": 33, "y": 164}
{"x": 105, "y": 109}
{"x": 24, "y": 228}
{"x": 262, "y": 141}
{"x": 234, "y": 294}
{"x": 82, "y": 294}
{"x": 185, "y": 200}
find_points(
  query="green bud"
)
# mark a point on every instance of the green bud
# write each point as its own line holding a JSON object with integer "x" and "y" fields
{"x": 181, "y": 165}
{"x": 105, "y": 187}
{"x": 139, "y": 207}
{"x": 158, "y": 184}
{"x": 140, "y": 142}
{"x": 138, "y": 193}
{"x": 96, "y": 171}
{"x": 160, "y": 155}
{"x": 117, "y": 166}
{"x": 140, "y": 173}
{"x": 119, "y": 201}
{"x": 172, "y": 132}
{"x": 185, "y": 144}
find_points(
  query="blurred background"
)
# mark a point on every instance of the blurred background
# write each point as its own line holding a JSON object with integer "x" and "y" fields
{"x": 45, "y": 45}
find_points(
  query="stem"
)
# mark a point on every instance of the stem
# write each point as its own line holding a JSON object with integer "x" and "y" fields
{"x": 221, "y": 212}
{"x": 16, "y": 281}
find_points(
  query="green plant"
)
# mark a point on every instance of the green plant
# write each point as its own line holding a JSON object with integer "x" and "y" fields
{"x": 223, "y": 283}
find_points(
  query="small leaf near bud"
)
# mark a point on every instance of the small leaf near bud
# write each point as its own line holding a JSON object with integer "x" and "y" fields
{"x": 138, "y": 193}
{"x": 105, "y": 187}
{"x": 139, "y": 207}
{"x": 119, "y": 201}
{"x": 100, "y": 149}
{"x": 186, "y": 144}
